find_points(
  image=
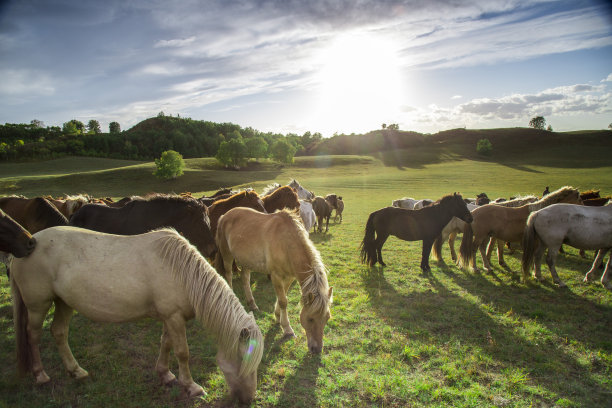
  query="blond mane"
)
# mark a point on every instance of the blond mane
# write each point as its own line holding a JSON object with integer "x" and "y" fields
{"x": 554, "y": 197}
{"x": 215, "y": 304}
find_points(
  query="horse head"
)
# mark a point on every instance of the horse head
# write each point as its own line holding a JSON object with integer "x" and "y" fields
{"x": 460, "y": 208}
{"x": 14, "y": 238}
{"x": 314, "y": 316}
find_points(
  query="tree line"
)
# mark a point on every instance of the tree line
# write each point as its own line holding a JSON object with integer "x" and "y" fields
{"x": 230, "y": 143}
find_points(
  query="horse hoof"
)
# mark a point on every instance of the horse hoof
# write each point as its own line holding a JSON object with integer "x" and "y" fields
{"x": 289, "y": 336}
{"x": 79, "y": 374}
{"x": 195, "y": 390}
{"x": 42, "y": 378}
{"x": 167, "y": 378}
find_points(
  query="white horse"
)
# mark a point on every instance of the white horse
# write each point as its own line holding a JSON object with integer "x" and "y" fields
{"x": 576, "y": 225}
{"x": 115, "y": 278}
{"x": 406, "y": 202}
{"x": 303, "y": 194}
{"x": 307, "y": 214}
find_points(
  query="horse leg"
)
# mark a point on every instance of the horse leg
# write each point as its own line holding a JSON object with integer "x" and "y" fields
{"x": 246, "y": 286}
{"x": 327, "y": 223}
{"x": 605, "y": 277}
{"x": 378, "y": 244}
{"x": 163, "y": 364}
{"x": 36, "y": 317}
{"x": 551, "y": 257}
{"x": 427, "y": 243}
{"x": 500, "y": 253}
{"x": 451, "y": 245}
{"x": 176, "y": 329}
{"x": 280, "y": 308}
{"x": 228, "y": 265}
{"x": 59, "y": 329}
{"x": 482, "y": 246}
{"x": 537, "y": 260}
{"x": 596, "y": 263}
{"x": 490, "y": 247}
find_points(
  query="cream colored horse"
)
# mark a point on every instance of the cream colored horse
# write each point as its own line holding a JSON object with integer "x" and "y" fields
{"x": 114, "y": 278}
{"x": 277, "y": 244}
{"x": 504, "y": 223}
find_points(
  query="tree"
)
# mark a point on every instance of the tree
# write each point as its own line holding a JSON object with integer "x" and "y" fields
{"x": 169, "y": 166}
{"x": 549, "y": 128}
{"x": 484, "y": 147}
{"x": 282, "y": 151}
{"x": 94, "y": 126}
{"x": 393, "y": 126}
{"x": 538, "y": 123}
{"x": 256, "y": 147}
{"x": 37, "y": 124}
{"x": 232, "y": 152}
{"x": 114, "y": 127}
{"x": 610, "y": 126}
{"x": 73, "y": 127}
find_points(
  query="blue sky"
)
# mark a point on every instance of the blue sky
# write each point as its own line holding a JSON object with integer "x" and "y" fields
{"x": 322, "y": 66}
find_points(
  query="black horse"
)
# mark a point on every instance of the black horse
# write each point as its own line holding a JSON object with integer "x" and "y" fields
{"x": 411, "y": 225}
{"x": 186, "y": 215}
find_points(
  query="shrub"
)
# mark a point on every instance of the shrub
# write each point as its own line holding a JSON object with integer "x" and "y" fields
{"x": 484, "y": 147}
{"x": 170, "y": 165}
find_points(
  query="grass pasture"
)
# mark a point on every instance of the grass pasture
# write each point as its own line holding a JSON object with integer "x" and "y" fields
{"x": 396, "y": 338}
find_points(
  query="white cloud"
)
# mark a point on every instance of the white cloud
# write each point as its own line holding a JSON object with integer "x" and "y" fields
{"x": 176, "y": 43}
{"x": 25, "y": 83}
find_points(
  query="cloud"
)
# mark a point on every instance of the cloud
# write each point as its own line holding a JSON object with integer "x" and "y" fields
{"x": 176, "y": 43}
{"x": 22, "y": 83}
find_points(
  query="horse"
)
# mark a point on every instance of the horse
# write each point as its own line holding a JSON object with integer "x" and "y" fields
{"x": 277, "y": 244}
{"x": 323, "y": 210}
{"x": 158, "y": 274}
{"x": 14, "y": 239}
{"x": 248, "y": 199}
{"x": 410, "y": 225}
{"x": 139, "y": 215}
{"x": 279, "y": 198}
{"x": 406, "y": 202}
{"x": 575, "y": 225}
{"x": 302, "y": 193}
{"x": 33, "y": 214}
{"x": 339, "y": 209}
{"x": 449, "y": 232}
{"x": 504, "y": 223}
{"x": 307, "y": 214}
{"x": 69, "y": 204}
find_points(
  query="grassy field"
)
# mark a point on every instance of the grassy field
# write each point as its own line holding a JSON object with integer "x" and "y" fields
{"x": 396, "y": 337}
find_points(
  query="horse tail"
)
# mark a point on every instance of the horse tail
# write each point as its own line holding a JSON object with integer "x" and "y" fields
{"x": 466, "y": 250}
{"x": 368, "y": 250}
{"x": 436, "y": 249}
{"x": 530, "y": 241}
{"x": 20, "y": 320}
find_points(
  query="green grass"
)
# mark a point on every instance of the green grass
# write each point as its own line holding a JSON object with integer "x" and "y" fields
{"x": 396, "y": 337}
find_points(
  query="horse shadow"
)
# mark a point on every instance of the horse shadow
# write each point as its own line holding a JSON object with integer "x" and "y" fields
{"x": 441, "y": 314}
{"x": 302, "y": 382}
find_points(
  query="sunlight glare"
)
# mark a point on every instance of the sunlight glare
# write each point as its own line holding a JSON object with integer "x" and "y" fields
{"x": 360, "y": 84}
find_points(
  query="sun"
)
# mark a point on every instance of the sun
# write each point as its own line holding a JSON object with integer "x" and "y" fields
{"x": 359, "y": 83}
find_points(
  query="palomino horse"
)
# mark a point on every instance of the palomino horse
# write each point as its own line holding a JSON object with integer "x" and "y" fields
{"x": 410, "y": 225}
{"x": 33, "y": 214}
{"x": 323, "y": 210}
{"x": 302, "y": 193}
{"x": 157, "y": 274}
{"x": 248, "y": 199}
{"x": 282, "y": 197}
{"x": 14, "y": 239}
{"x": 186, "y": 215}
{"x": 575, "y": 225}
{"x": 504, "y": 223}
{"x": 277, "y": 244}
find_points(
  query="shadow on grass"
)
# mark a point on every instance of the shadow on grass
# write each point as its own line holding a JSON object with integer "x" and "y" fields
{"x": 444, "y": 317}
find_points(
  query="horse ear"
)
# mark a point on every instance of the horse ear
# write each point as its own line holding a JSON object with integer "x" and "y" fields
{"x": 331, "y": 293}
{"x": 244, "y": 334}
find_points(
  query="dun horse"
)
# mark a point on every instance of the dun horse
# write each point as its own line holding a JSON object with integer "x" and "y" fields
{"x": 504, "y": 223}
{"x": 410, "y": 225}
{"x": 575, "y": 225}
{"x": 157, "y": 274}
{"x": 248, "y": 199}
{"x": 277, "y": 244}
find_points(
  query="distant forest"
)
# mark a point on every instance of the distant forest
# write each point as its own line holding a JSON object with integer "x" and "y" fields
{"x": 195, "y": 138}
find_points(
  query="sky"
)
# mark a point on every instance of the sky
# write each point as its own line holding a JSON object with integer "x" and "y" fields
{"x": 291, "y": 66}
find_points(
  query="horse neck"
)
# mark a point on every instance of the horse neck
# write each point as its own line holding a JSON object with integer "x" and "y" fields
{"x": 545, "y": 202}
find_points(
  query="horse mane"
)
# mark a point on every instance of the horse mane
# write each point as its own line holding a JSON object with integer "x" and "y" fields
{"x": 554, "y": 197}
{"x": 448, "y": 198}
{"x": 270, "y": 188}
{"x": 519, "y": 201}
{"x": 156, "y": 198}
{"x": 243, "y": 195}
{"x": 215, "y": 304}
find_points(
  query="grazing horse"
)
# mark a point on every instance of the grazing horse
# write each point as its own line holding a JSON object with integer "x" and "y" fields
{"x": 184, "y": 214}
{"x": 410, "y": 225}
{"x": 282, "y": 197}
{"x": 277, "y": 244}
{"x": 307, "y": 214}
{"x": 112, "y": 278}
{"x": 14, "y": 239}
{"x": 575, "y": 225}
{"x": 323, "y": 210}
{"x": 248, "y": 199}
{"x": 33, "y": 214}
{"x": 504, "y": 223}
{"x": 302, "y": 193}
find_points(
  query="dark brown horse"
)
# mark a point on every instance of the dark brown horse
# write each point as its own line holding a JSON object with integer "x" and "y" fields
{"x": 186, "y": 215}
{"x": 411, "y": 225}
{"x": 323, "y": 210}
{"x": 14, "y": 239}
{"x": 248, "y": 199}
{"x": 282, "y": 197}
{"x": 33, "y": 214}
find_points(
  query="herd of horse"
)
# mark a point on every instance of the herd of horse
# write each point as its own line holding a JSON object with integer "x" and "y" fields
{"x": 182, "y": 251}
